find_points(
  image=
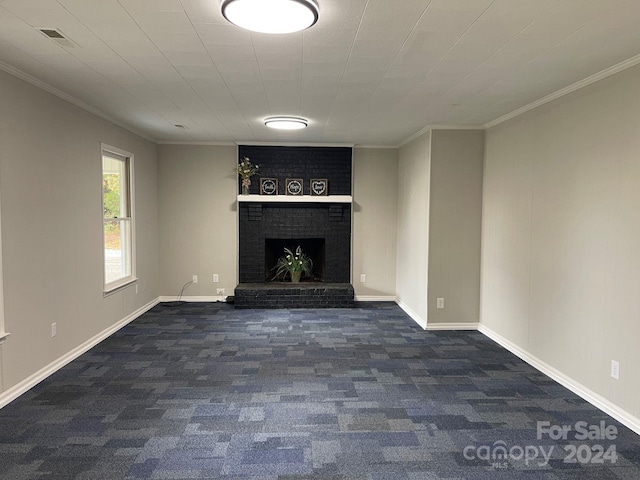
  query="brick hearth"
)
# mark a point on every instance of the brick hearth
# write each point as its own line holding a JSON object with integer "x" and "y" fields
{"x": 294, "y": 295}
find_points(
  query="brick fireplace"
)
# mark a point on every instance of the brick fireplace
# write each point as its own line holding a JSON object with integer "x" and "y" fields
{"x": 280, "y": 224}
{"x": 321, "y": 226}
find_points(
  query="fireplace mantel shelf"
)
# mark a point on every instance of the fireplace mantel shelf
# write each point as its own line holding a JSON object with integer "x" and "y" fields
{"x": 295, "y": 199}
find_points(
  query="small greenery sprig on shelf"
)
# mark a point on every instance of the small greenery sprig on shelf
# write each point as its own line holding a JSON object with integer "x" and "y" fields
{"x": 246, "y": 170}
{"x": 293, "y": 262}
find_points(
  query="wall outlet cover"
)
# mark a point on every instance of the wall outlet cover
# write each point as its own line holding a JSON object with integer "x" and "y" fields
{"x": 615, "y": 369}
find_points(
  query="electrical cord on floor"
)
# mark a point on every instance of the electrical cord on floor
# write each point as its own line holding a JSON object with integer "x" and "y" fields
{"x": 178, "y": 302}
{"x": 228, "y": 299}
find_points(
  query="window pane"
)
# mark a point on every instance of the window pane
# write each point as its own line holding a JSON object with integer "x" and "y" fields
{"x": 116, "y": 250}
{"x": 114, "y": 187}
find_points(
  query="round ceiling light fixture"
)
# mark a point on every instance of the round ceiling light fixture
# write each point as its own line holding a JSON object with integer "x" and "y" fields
{"x": 271, "y": 16}
{"x": 286, "y": 123}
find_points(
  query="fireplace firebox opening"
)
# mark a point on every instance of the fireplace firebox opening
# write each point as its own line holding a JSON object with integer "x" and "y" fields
{"x": 312, "y": 247}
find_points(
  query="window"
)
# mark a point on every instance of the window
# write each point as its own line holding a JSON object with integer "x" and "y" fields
{"x": 118, "y": 228}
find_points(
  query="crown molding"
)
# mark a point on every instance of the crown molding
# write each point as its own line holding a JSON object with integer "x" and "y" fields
{"x": 213, "y": 144}
{"x": 456, "y": 127}
{"x": 631, "y": 62}
{"x": 418, "y": 134}
{"x": 295, "y": 144}
{"x": 438, "y": 127}
{"x": 381, "y": 147}
{"x": 71, "y": 99}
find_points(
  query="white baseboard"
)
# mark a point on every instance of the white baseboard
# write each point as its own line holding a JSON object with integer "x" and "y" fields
{"x": 414, "y": 316}
{"x": 193, "y": 298}
{"x": 595, "y": 399}
{"x": 14, "y": 392}
{"x": 452, "y": 326}
{"x": 375, "y": 298}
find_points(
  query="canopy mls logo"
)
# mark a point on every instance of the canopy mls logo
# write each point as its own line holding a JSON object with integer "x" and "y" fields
{"x": 500, "y": 455}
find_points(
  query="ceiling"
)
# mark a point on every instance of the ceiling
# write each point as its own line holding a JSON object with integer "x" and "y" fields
{"x": 370, "y": 72}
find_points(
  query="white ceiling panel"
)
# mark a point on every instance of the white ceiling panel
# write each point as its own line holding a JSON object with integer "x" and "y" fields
{"x": 162, "y": 23}
{"x": 273, "y": 61}
{"x": 177, "y": 42}
{"x": 341, "y": 15}
{"x": 38, "y": 13}
{"x": 324, "y": 54}
{"x": 290, "y": 44}
{"x": 624, "y": 14}
{"x": 329, "y": 38}
{"x": 213, "y": 34}
{"x": 370, "y": 71}
{"x": 454, "y": 16}
{"x": 509, "y": 15}
{"x": 479, "y": 43}
{"x": 203, "y": 11}
{"x": 208, "y": 73}
{"x": 151, "y": 6}
{"x": 378, "y": 16}
{"x": 194, "y": 59}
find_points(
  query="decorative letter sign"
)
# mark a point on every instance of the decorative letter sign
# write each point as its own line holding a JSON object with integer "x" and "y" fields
{"x": 268, "y": 186}
{"x": 294, "y": 186}
{"x": 319, "y": 187}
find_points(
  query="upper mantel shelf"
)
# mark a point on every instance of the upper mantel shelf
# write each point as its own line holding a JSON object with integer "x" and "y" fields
{"x": 295, "y": 198}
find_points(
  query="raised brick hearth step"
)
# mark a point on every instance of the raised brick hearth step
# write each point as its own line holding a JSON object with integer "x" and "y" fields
{"x": 294, "y": 295}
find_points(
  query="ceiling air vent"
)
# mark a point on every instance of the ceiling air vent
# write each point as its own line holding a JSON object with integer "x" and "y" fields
{"x": 57, "y": 36}
{"x": 51, "y": 33}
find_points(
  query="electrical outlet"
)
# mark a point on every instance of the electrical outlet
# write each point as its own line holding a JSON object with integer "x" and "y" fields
{"x": 136, "y": 288}
{"x": 54, "y": 329}
{"x": 440, "y": 303}
{"x": 216, "y": 278}
{"x": 615, "y": 369}
{"x": 195, "y": 279}
{"x": 363, "y": 278}
{"x": 220, "y": 291}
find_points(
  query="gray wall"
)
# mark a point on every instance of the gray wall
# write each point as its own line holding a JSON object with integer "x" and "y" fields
{"x": 455, "y": 210}
{"x": 560, "y": 256}
{"x": 375, "y": 208}
{"x": 413, "y": 227}
{"x": 50, "y": 193}
{"x": 198, "y": 219}
{"x": 438, "y": 227}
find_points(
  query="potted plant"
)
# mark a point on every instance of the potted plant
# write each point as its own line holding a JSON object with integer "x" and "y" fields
{"x": 293, "y": 264}
{"x": 246, "y": 170}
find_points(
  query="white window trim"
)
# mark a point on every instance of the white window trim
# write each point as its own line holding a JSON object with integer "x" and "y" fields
{"x": 113, "y": 287}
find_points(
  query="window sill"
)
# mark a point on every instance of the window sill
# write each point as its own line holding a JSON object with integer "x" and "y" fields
{"x": 3, "y": 337}
{"x": 118, "y": 288}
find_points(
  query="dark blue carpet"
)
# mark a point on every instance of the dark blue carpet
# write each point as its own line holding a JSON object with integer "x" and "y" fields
{"x": 206, "y": 391}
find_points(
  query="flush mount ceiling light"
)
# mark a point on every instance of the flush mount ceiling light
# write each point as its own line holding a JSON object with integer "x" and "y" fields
{"x": 286, "y": 123}
{"x": 271, "y": 16}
